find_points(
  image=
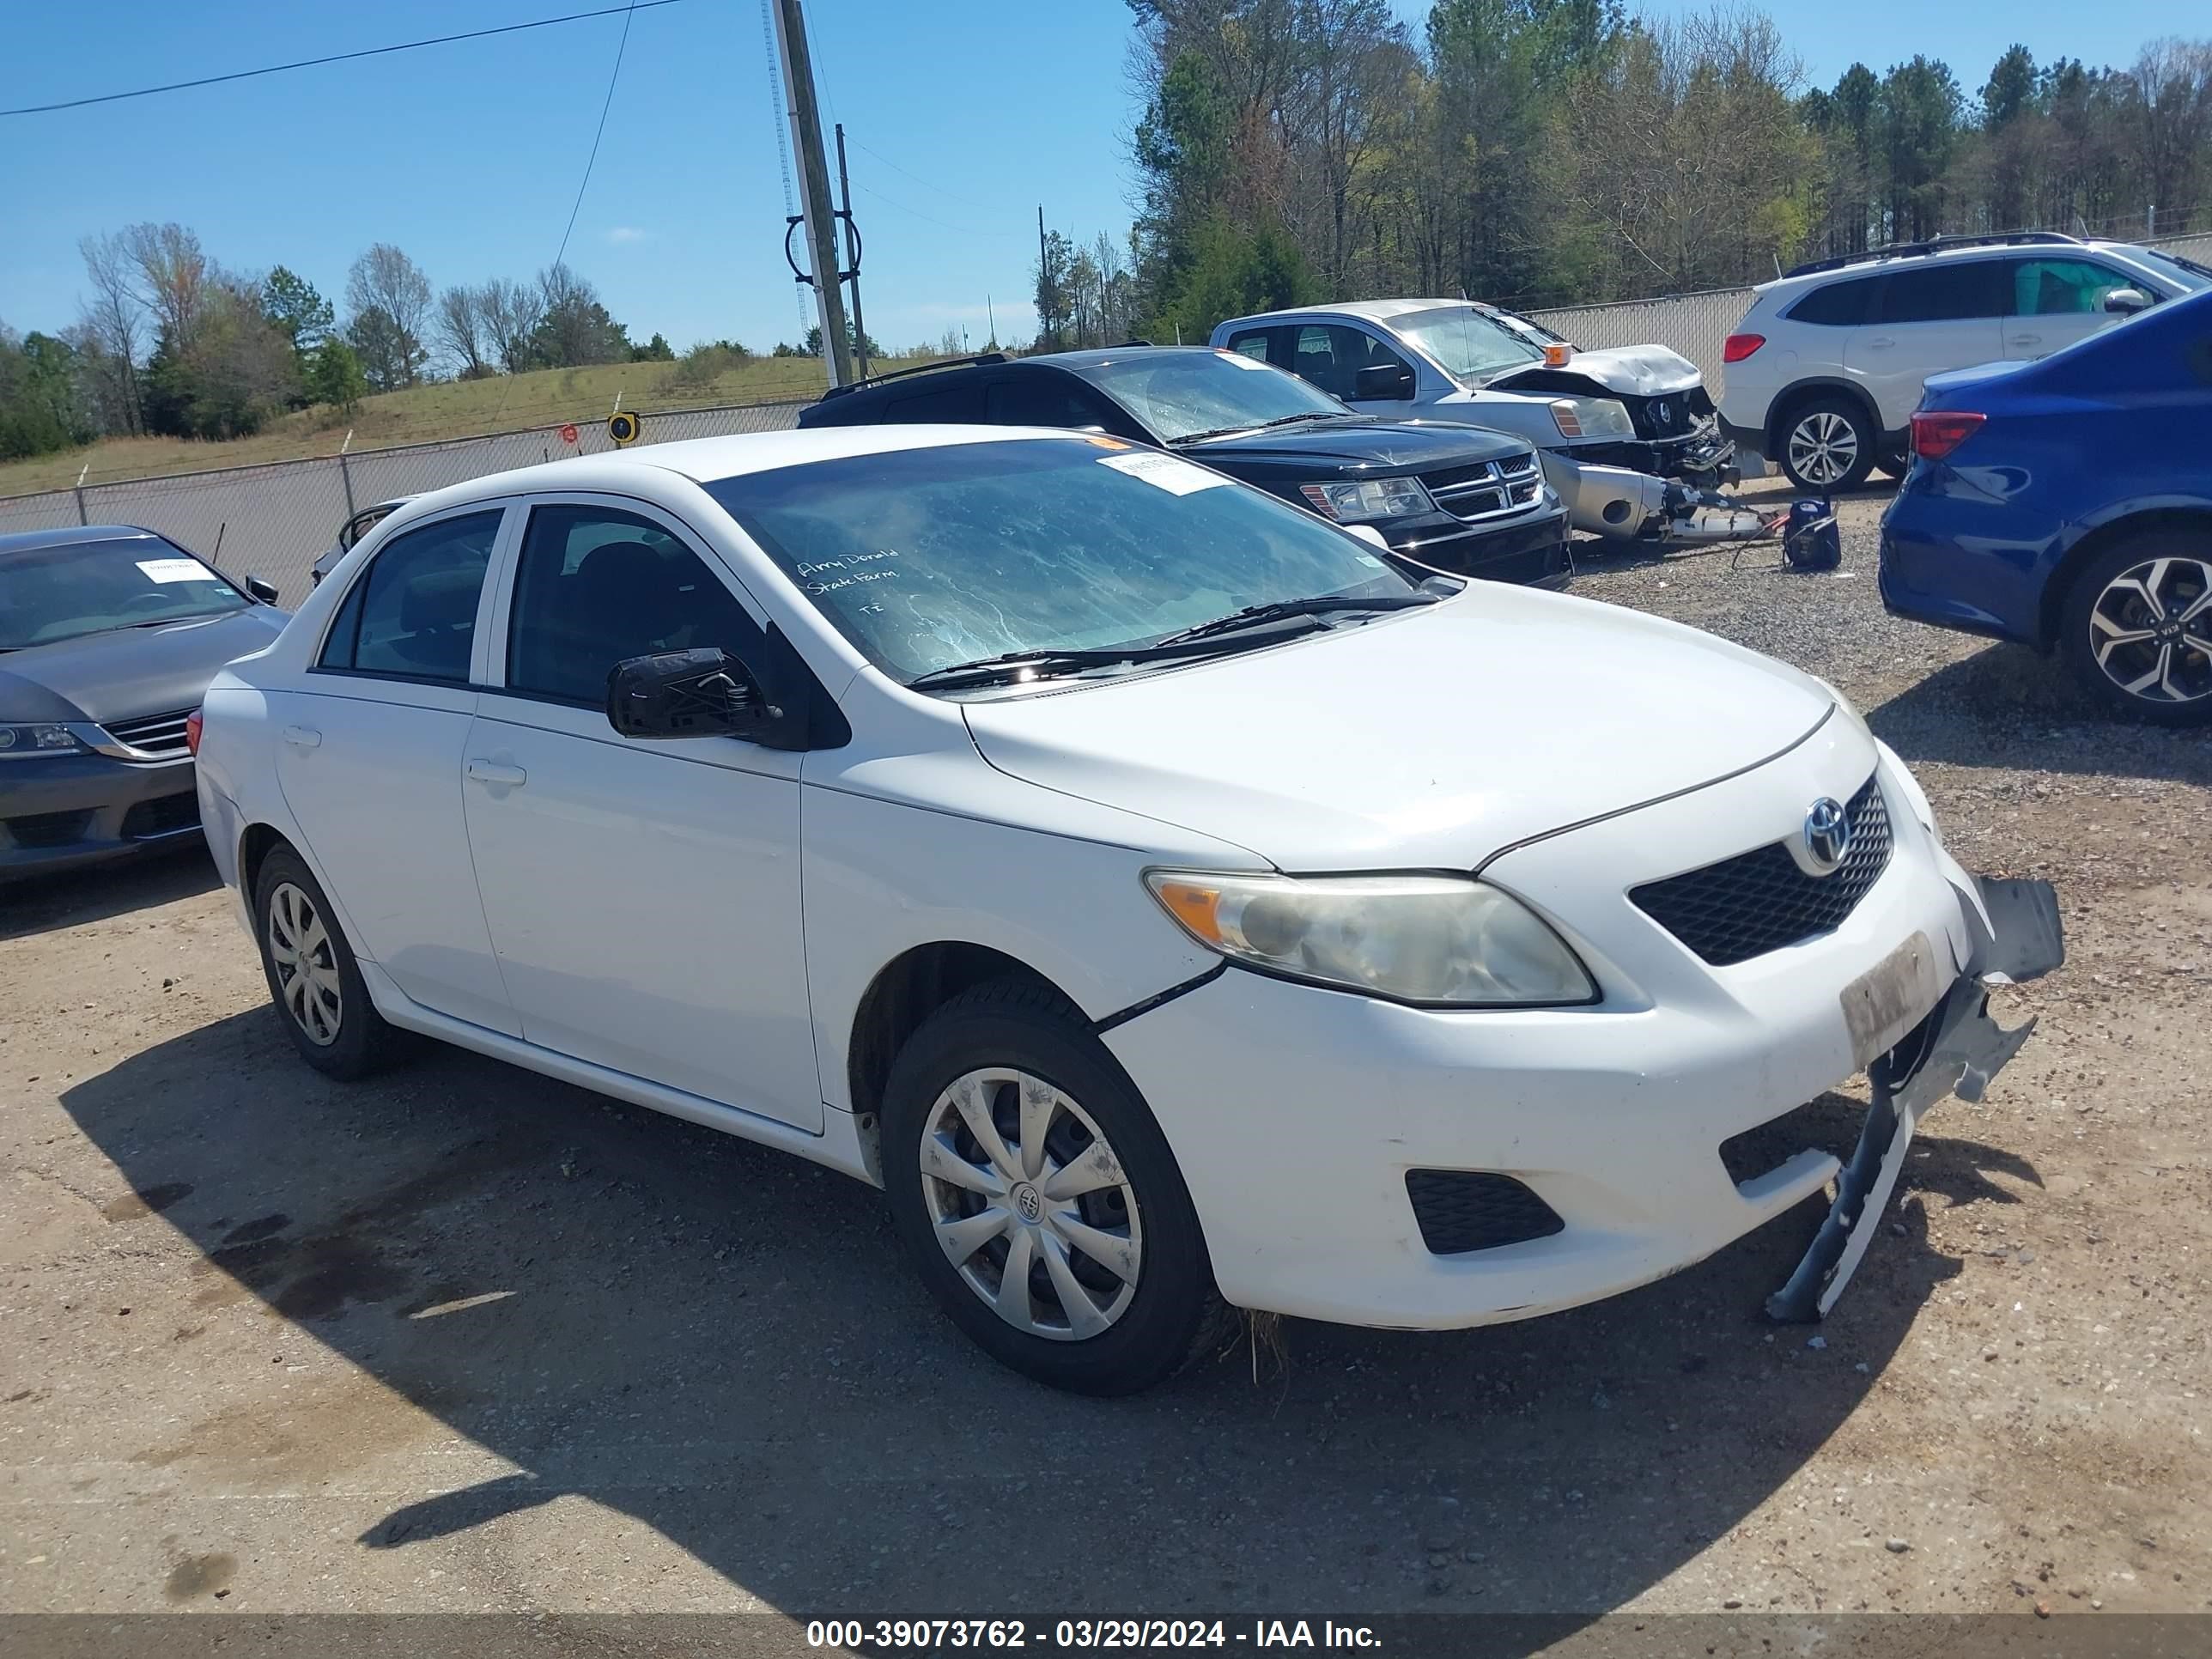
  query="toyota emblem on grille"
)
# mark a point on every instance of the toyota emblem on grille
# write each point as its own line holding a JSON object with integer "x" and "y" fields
{"x": 1827, "y": 834}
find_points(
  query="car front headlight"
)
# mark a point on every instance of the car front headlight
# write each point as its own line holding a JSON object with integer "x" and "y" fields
{"x": 1440, "y": 940}
{"x": 43, "y": 738}
{"x": 1592, "y": 417}
{"x": 1368, "y": 499}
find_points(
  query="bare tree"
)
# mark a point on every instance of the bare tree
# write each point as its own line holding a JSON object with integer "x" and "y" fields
{"x": 174, "y": 276}
{"x": 463, "y": 330}
{"x": 385, "y": 280}
{"x": 511, "y": 313}
{"x": 113, "y": 320}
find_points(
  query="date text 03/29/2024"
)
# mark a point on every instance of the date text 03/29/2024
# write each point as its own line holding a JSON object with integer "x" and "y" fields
{"x": 937, "y": 1634}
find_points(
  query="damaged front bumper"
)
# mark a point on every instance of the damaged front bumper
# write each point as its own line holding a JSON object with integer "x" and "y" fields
{"x": 1622, "y": 503}
{"x": 1956, "y": 1048}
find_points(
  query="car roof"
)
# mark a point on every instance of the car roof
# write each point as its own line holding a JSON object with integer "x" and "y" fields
{"x": 708, "y": 460}
{"x": 1877, "y": 263}
{"x": 28, "y": 541}
{"x": 1374, "y": 311}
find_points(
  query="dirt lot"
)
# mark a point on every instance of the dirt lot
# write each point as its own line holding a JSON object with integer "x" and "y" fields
{"x": 467, "y": 1339}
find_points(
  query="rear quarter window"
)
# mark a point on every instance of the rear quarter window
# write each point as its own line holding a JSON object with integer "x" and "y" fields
{"x": 1838, "y": 304}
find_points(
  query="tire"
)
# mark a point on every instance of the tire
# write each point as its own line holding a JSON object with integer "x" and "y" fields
{"x": 1827, "y": 445}
{"x": 982, "y": 1055}
{"x": 2144, "y": 586}
{"x": 325, "y": 1008}
{"x": 1895, "y": 463}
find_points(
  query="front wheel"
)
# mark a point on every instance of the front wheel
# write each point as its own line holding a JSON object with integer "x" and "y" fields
{"x": 1828, "y": 444}
{"x": 2136, "y": 628}
{"x": 1038, "y": 1200}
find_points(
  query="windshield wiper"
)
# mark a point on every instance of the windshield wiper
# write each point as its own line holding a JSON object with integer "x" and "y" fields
{"x": 1259, "y": 616}
{"x": 1262, "y": 426}
{"x": 1048, "y": 665}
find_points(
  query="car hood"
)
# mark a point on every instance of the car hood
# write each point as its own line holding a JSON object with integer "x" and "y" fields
{"x": 1643, "y": 371}
{"x": 1430, "y": 740}
{"x": 1398, "y": 445}
{"x": 128, "y": 672}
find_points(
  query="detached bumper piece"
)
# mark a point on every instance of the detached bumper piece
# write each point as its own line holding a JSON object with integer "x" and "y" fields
{"x": 1956, "y": 1049}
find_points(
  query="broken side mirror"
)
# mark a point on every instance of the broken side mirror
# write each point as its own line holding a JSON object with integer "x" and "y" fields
{"x": 2127, "y": 300}
{"x": 702, "y": 693}
{"x": 1383, "y": 383}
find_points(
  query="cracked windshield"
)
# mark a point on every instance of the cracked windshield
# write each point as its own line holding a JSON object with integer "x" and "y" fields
{"x": 1186, "y": 394}
{"x": 929, "y": 557}
{"x": 1472, "y": 346}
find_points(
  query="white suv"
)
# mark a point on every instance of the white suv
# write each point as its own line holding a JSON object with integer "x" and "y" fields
{"x": 1826, "y": 367}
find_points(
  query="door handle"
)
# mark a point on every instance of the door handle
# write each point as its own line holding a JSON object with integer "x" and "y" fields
{"x": 484, "y": 771}
{"x": 2027, "y": 339}
{"x": 303, "y": 737}
{"x": 1881, "y": 343}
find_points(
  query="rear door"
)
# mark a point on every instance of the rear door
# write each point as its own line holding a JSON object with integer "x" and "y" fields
{"x": 2055, "y": 302}
{"x": 1943, "y": 314}
{"x": 369, "y": 759}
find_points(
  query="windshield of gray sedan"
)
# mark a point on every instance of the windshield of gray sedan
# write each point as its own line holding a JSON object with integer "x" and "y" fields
{"x": 955, "y": 553}
{"x": 1472, "y": 346}
{"x": 1180, "y": 394}
{"x": 52, "y": 593}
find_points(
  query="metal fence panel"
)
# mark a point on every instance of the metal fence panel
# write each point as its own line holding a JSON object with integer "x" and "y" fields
{"x": 1694, "y": 324}
{"x": 48, "y": 511}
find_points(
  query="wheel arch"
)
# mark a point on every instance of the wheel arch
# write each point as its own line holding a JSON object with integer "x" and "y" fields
{"x": 255, "y": 844}
{"x": 1794, "y": 396}
{"x": 2093, "y": 543}
{"x": 905, "y": 991}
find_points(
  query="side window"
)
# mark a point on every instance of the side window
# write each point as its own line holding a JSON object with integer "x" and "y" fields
{"x": 413, "y": 613}
{"x": 1943, "y": 292}
{"x": 1041, "y": 398}
{"x": 1331, "y": 355}
{"x": 595, "y": 586}
{"x": 2063, "y": 287}
{"x": 956, "y": 404}
{"x": 1839, "y": 304}
{"x": 1251, "y": 343}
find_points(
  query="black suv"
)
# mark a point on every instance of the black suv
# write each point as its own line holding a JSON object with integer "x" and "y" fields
{"x": 1458, "y": 499}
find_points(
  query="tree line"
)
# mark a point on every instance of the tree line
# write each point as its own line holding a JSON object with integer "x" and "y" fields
{"x": 1546, "y": 152}
{"x": 169, "y": 342}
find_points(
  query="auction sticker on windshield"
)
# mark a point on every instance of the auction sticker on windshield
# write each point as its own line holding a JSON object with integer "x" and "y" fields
{"x": 1169, "y": 472}
{"x": 174, "y": 570}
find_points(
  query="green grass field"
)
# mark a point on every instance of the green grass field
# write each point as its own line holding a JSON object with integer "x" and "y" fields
{"x": 449, "y": 408}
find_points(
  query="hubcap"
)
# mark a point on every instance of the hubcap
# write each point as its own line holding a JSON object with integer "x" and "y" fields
{"x": 1823, "y": 447}
{"x": 1030, "y": 1203}
{"x": 307, "y": 968}
{"x": 2150, "y": 630}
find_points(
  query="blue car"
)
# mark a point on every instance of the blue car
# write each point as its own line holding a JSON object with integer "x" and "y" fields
{"x": 2067, "y": 503}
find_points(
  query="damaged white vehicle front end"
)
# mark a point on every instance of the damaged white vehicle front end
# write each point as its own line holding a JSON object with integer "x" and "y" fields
{"x": 1630, "y": 438}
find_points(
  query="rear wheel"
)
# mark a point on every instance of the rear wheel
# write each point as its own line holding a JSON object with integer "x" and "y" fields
{"x": 2136, "y": 628}
{"x": 1038, "y": 1200}
{"x": 313, "y": 977}
{"x": 1828, "y": 444}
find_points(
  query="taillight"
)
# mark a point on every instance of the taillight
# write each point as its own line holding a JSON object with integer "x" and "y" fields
{"x": 1737, "y": 347}
{"x": 192, "y": 732}
{"x": 1936, "y": 433}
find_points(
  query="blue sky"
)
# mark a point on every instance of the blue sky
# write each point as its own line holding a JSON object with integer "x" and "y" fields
{"x": 963, "y": 116}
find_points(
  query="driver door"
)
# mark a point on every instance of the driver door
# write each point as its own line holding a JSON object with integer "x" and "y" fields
{"x": 642, "y": 895}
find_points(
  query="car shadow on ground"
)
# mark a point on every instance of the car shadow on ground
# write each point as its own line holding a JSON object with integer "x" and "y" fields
{"x": 723, "y": 1342}
{"x": 40, "y": 904}
{"x": 2010, "y": 707}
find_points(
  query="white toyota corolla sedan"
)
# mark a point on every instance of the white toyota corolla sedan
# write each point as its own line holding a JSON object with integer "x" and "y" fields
{"x": 1173, "y": 905}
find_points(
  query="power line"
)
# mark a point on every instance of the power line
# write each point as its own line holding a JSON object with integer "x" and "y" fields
{"x": 923, "y": 182}
{"x": 930, "y": 218}
{"x": 341, "y": 57}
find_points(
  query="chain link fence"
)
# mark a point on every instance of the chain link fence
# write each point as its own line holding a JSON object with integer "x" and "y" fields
{"x": 275, "y": 520}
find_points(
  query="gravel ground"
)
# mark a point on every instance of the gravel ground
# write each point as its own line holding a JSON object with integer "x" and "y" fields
{"x": 467, "y": 1339}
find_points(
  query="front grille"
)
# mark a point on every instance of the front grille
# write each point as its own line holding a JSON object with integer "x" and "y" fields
{"x": 1760, "y": 901}
{"x": 161, "y": 736}
{"x": 1464, "y": 1209}
{"x": 49, "y": 828}
{"x": 164, "y": 815}
{"x": 1486, "y": 490}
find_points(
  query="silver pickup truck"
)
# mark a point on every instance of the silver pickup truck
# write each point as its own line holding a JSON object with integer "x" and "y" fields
{"x": 1629, "y": 437}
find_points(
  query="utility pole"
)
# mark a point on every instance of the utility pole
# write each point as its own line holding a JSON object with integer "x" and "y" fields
{"x": 813, "y": 188}
{"x": 852, "y": 242}
{"x": 1044, "y": 277}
